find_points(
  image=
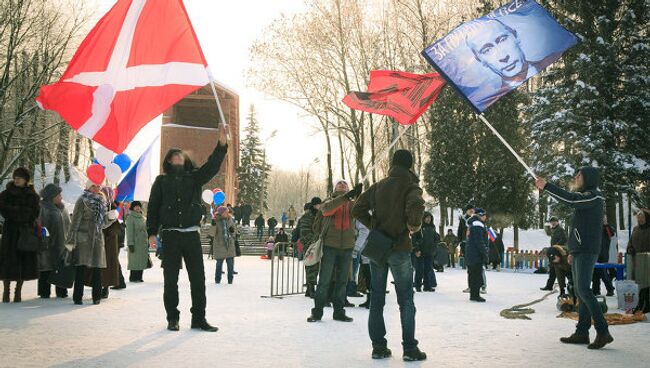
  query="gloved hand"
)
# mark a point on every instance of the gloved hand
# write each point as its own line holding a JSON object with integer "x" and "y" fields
{"x": 131, "y": 248}
{"x": 355, "y": 192}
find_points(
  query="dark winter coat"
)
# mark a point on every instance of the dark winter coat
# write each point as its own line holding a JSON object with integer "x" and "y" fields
{"x": 111, "y": 273}
{"x": 397, "y": 206}
{"x": 558, "y": 236}
{"x": 585, "y": 235}
{"x": 259, "y": 222}
{"x": 496, "y": 250}
{"x": 237, "y": 212}
{"x": 336, "y": 214}
{"x": 562, "y": 267}
{"x": 282, "y": 238}
{"x": 175, "y": 199}
{"x": 20, "y": 208}
{"x": 307, "y": 233}
{"x": 608, "y": 233}
{"x": 426, "y": 240}
{"x": 57, "y": 221}
{"x": 246, "y": 210}
{"x": 461, "y": 233}
{"x": 476, "y": 249}
{"x": 272, "y": 222}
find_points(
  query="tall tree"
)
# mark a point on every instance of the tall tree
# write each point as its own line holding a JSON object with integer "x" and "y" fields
{"x": 253, "y": 170}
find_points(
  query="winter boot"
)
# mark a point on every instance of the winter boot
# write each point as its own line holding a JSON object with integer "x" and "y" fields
{"x": 316, "y": 315}
{"x": 414, "y": 355}
{"x": 341, "y": 317}
{"x": 105, "y": 293}
{"x": 366, "y": 304}
{"x": 18, "y": 292}
{"x": 173, "y": 325}
{"x": 310, "y": 293}
{"x": 602, "y": 339}
{"x": 203, "y": 325}
{"x": 348, "y": 304}
{"x": 643, "y": 301}
{"x": 576, "y": 339}
{"x": 381, "y": 353}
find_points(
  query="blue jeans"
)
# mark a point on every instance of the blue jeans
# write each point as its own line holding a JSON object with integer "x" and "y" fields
{"x": 334, "y": 266}
{"x": 352, "y": 284}
{"x": 260, "y": 233}
{"x": 230, "y": 262}
{"x": 401, "y": 267}
{"x": 583, "y": 270}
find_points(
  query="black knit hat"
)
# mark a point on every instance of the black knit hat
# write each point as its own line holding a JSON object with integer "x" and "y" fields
{"x": 316, "y": 201}
{"x": 403, "y": 158}
{"x": 135, "y": 204}
{"x": 50, "y": 191}
{"x": 21, "y": 172}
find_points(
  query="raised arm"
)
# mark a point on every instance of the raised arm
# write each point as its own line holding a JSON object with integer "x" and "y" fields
{"x": 211, "y": 167}
{"x": 329, "y": 207}
{"x": 577, "y": 200}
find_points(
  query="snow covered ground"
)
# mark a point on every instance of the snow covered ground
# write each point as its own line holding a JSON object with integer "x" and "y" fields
{"x": 128, "y": 329}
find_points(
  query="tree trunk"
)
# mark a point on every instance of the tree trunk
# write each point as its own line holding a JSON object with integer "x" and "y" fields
{"x": 621, "y": 212}
{"x": 330, "y": 179}
{"x": 611, "y": 201}
{"x": 516, "y": 237}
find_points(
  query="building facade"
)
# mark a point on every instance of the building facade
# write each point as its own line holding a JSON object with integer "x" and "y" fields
{"x": 191, "y": 125}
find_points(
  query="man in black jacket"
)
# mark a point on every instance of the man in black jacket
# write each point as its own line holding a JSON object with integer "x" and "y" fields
{"x": 600, "y": 273}
{"x": 558, "y": 237}
{"x": 175, "y": 212}
{"x": 584, "y": 245}
{"x": 476, "y": 253}
{"x": 462, "y": 229}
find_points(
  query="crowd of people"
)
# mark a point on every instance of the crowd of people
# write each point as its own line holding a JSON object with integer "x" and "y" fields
{"x": 363, "y": 234}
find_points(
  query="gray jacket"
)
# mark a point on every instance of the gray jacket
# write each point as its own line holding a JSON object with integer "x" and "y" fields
{"x": 88, "y": 243}
{"x": 57, "y": 222}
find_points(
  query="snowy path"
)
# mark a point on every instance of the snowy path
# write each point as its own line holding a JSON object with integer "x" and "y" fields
{"x": 128, "y": 329}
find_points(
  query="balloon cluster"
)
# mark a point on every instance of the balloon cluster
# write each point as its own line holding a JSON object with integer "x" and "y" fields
{"x": 105, "y": 166}
{"x": 216, "y": 196}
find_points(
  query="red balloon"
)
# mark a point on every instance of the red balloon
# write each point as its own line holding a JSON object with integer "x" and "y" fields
{"x": 96, "y": 173}
{"x": 217, "y": 190}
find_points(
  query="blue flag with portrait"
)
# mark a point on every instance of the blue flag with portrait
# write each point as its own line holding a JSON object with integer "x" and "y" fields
{"x": 488, "y": 57}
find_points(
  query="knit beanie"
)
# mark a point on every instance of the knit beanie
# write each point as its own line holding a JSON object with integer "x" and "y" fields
{"x": 21, "y": 172}
{"x": 403, "y": 158}
{"x": 50, "y": 191}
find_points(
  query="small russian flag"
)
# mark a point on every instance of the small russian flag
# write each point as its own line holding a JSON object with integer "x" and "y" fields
{"x": 492, "y": 235}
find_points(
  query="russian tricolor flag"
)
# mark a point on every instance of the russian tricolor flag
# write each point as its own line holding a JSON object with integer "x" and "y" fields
{"x": 492, "y": 235}
{"x": 136, "y": 185}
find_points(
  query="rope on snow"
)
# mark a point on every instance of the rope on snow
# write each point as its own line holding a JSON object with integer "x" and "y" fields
{"x": 520, "y": 311}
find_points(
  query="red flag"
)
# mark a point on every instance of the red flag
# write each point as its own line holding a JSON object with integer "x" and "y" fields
{"x": 139, "y": 59}
{"x": 402, "y": 96}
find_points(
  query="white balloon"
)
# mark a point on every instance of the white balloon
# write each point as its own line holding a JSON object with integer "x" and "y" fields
{"x": 113, "y": 173}
{"x": 207, "y": 196}
{"x": 104, "y": 156}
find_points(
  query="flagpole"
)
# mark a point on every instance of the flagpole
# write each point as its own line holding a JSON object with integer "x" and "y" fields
{"x": 521, "y": 161}
{"x": 374, "y": 164}
{"x": 216, "y": 98}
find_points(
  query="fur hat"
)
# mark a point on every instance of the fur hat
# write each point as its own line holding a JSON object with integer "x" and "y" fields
{"x": 316, "y": 201}
{"x": 135, "y": 204}
{"x": 403, "y": 158}
{"x": 50, "y": 191}
{"x": 22, "y": 172}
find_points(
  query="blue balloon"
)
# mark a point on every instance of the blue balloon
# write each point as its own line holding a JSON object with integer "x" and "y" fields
{"x": 123, "y": 161}
{"x": 219, "y": 198}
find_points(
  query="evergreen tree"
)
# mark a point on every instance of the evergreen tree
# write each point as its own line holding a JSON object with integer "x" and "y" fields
{"x": 592, "y": 106}
{"x": 253, "y": 170}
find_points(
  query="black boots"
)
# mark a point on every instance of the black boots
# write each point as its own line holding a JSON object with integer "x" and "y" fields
{"x": 381, "y": 353}
{"x": 310, "y": 293}
{"x": 203, "y": 325}
{"x": 341, "y": 317}
{"x": 414, "y": 355}
{"x": 316, "y": 315}
{"x": 366, "y": 304}
{"x": 18, "y": 292}
{"x": 105, "y": 293}
{"x": 6, "y": 294}
{"x": 602, "y": 339}
{"x": 644, "y": 301}
{"x": 576, "y": 339}
{"x": 173, "y": 325}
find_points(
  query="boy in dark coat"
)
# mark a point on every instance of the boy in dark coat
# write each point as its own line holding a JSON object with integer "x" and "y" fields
{"x": 424, "y": 246}
{"x": 476, "y": 253}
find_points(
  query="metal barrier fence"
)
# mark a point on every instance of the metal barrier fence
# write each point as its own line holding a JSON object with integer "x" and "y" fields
{"x": 287, "y": 271}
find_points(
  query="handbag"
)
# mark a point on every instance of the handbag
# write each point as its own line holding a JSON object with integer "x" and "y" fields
{"x": 314, "y": 253}
{"x": 63, "y": 275}
{"x": 28, "y": 241}
{"x": 379, "y": 246}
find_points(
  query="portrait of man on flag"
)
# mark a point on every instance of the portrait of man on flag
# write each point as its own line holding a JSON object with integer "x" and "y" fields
{"x": 490, "y": 56}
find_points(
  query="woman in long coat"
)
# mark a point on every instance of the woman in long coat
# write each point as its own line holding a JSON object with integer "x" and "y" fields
{"x": 639, "y": 249}
{"x": 110, "y": 274}
{"x": 89, "y": 218}
{"x": 137, "y": 240}
{"x": 223, "y": 249}
{"x": 56, "y": 220}
{"x": 19, "y": 205}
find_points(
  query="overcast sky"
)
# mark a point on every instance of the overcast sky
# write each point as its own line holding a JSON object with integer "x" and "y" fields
{"x": 226, "y": 29}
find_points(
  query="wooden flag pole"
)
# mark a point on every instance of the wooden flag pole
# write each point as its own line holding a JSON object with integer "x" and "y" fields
{"x": 387, "y": 149}
{"x": 216, "y": 98}
{"x": 521, "y": 161}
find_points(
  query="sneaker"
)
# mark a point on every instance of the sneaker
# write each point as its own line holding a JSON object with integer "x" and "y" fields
{"x": 601, "y": 341}
{"x": 381, "y": 353}
{"x": 466, "y": 290}
{"x": 414, "y": 356}
{"x": 203, "y": 326}
{"x": 576, "y": 339}
{"x": 173, "y": 325}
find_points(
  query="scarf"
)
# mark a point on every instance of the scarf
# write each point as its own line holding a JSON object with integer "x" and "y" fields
{"x": 97, "y": 205}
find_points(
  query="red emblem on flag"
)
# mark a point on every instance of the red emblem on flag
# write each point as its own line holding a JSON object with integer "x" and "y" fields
{"x": 402, "y": 96}
{"x": 141, "y": 58}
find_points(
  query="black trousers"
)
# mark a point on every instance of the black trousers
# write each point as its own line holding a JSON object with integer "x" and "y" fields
{"x": 136, "y": 275}
{"x": 45, "y": 288}
{"x": 475, "y": 279}
{"x": 96, "y": 282}
{"x": 185, "y": 246}
{"x": 601, "y": 274}
{"x": 551, "y": 277}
